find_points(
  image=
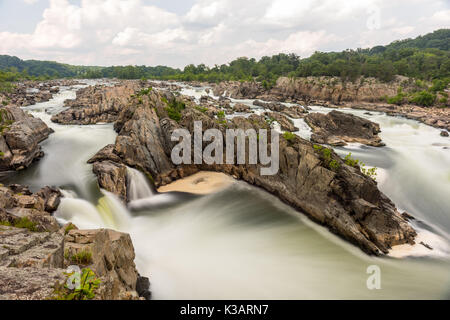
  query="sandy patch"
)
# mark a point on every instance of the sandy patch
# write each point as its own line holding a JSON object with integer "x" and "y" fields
{"x": 202, "y": 182}
{"x": 438, "y": 244}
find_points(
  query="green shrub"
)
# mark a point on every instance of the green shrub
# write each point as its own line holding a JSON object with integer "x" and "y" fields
{"x": 25, "y": 223}
{"x": 371, "y": 173}
{"x": 327, "y": 158}
{"x": 83, "y": 257}
{"x": 423, "y": 98}
{"x": 86, "y": 291}
{"x": 174, "y": 108}
{"x": 201, "y": 109}
{"x": 289, "y": 136}
{"x": 71, "y": 226}
{"x": 145, "y": 92}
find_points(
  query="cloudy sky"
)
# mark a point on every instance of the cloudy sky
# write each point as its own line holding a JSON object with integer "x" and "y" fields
{"x": 180, "y": 32}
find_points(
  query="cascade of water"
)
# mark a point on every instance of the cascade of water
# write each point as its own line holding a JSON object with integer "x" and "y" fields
{"x": 109, "y": 212}
{"x": 138, "y": 186}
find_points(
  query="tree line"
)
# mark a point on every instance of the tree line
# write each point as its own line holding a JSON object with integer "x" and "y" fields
{"x": 425, "y": 57}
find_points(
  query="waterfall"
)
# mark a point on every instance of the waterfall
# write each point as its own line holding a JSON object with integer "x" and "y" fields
{"x": 109, "y": 212}
{"x": 138, "y": 186}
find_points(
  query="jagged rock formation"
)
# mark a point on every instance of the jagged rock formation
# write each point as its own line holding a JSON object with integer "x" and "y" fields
{"x": 35, "y": 251}
{"x": 96, "y": 104}
{"x": 31, "y": 92}
{"x": 337, "y": 128}
{"x": 365, "y": 93}
{"x": 112, "y": 260}
{"x": 20, "y": 136}
{"x": 285, "y": 123}
{"x": 341, "y": 198}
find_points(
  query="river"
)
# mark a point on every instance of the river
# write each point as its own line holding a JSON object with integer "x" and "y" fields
{"x": 243, "y": 243}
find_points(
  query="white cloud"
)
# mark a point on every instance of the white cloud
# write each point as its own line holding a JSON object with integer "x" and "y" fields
{"x": 106, "y": 32}
{"x": 30, "y": 1}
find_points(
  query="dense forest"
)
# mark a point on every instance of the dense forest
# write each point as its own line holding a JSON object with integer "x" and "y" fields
{"x": 425, "y": 57}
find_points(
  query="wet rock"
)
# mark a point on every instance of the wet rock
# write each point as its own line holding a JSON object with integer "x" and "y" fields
{"x": 240, "y": 107}
{"x": 51, "y": 197}
{"x": 295, "y": 112}
{"x": 112, "y": 177}
{"x": 337, "y": 128}
{"x": 143, "y": 287}
{"x": 285, "y": 123}
{"x": 444, "y": 134}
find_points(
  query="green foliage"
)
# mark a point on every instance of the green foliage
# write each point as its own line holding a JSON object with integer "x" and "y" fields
{"x": 425, "y": 57}
{"x": 201, "y": 109}
{"x": 327, "y": 158}
{"x": 174, "y": 108}
{"x": 221, "y": 115}
{"x": 423, "y": 98}
{"x": 370, "y": 172}
{"x": 86, "y": 291}
{"x": 145, "y": 92}
{"x": 289, "y": 136}
{"x": 71, "y": 226}
{"x": 22, "y": 223}
{"x": 6, "y": 224}
{"x": 83, "y": 257}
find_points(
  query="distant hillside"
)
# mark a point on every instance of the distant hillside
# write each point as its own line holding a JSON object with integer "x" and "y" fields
{"x": 425, "y": 57}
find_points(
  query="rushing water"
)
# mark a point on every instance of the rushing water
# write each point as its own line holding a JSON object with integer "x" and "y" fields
{"x": 243, "y": 242}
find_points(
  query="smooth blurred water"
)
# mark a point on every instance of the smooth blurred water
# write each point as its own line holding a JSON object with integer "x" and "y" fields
{"x": 243, "y": 243}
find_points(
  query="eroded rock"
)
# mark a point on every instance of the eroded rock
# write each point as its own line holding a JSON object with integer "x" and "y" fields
{"x": 337, "y": 128}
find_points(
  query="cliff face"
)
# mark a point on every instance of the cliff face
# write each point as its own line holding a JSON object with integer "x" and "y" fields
{"x": 20, "y": 136}
{"x": 332, "y": 90}
{"x": 343, "y": 199}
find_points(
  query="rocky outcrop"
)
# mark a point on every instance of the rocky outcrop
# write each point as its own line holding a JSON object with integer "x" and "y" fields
{"x": 112, "y": 261}
{"x": 240, "y": 107}
{"x": 364, "y": 93}
{"x": 96, "y": 104}
{"x": 337, "y": 129}
{"x": 20, "y": 136}
{"x": 28, "y": 93}
{"x": 112, "y": 177}
{"x": 285, "y": 123}
{"x": 18, "y": 206}
{"x": 35, "y": 251}
{"x": 238, "y": 90}
{"x": 432, "y": 116}
{"x": 339, "y": 196}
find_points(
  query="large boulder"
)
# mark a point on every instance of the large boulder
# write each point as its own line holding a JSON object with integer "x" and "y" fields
{"x": 112, "y": 260}
{"x": 20, "y": 136}
{"x": 338, "y": 128}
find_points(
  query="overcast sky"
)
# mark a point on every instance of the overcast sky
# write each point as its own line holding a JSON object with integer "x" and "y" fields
{"x": 180, "y": 32}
